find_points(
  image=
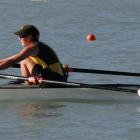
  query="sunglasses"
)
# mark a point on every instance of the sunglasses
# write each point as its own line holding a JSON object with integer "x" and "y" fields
{"x": 23, "y": 35}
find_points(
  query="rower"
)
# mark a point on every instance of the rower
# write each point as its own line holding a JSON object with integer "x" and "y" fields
{"x": 36, "y": 58}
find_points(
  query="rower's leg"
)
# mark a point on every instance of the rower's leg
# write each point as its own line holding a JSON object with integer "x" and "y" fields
{"x": 27, "y": 66}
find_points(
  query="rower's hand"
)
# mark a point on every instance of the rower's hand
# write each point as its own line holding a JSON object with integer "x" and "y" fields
{"x": 35, "y": 80}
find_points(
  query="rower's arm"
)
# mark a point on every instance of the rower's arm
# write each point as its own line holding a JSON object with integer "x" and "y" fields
{"x": 23, "y": 54}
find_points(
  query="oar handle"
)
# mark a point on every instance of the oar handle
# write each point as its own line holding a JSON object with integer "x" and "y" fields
{"x": 16, "y": 66}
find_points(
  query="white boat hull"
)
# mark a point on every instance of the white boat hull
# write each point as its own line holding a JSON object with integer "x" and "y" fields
{"x": 63, "y": 94}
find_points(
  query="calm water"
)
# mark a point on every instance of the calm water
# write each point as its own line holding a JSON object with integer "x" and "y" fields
{"x": 64, "y": 25}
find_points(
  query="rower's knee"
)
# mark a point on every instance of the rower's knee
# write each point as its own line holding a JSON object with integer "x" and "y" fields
{"x": 27, "y": 64}
{"x": 24, "y": 62}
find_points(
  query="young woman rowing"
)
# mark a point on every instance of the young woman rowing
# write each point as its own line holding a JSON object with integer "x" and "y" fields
{"x": 36, "y": 58}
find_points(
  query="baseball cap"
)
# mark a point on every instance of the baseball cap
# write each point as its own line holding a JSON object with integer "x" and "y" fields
{"x": 27, "y": 30}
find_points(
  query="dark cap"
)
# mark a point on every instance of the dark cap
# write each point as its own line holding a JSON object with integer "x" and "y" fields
{"x": 27, "y": 30}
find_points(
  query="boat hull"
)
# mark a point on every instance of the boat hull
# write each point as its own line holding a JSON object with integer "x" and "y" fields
{"x": 63, "y": 94}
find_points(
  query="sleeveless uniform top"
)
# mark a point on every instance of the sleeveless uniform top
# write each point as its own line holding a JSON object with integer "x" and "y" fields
{"x": 48, "y": 59}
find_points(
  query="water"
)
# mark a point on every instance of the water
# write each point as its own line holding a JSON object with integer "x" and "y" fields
{"x": 64, "y": 25}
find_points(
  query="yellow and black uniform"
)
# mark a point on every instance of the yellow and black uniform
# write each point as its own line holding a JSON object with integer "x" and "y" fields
{"x": 48, "y": 64}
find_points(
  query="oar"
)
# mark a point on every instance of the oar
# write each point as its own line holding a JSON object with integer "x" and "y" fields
{"x": 108, "y": 72}
{"x": 15, "y": 77}
{"x": 96, "y": 71}
{"x": 116, "y": 87}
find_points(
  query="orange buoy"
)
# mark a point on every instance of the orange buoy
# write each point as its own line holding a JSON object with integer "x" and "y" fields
{"x": 90, "y": 37}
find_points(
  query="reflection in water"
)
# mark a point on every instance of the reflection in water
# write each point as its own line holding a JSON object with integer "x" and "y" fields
{"x": 37, "y": 109}
{"x": 41, "y": 109}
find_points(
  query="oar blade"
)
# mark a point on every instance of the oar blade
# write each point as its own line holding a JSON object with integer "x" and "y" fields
{"x": 138, "y": 91}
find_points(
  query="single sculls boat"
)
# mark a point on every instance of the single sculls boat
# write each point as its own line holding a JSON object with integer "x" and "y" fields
{"x": 97, "y": 92}
{"x": 70, "y": 90}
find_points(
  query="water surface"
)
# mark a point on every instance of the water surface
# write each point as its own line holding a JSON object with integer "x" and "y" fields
{"x": 64, "y": 25}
